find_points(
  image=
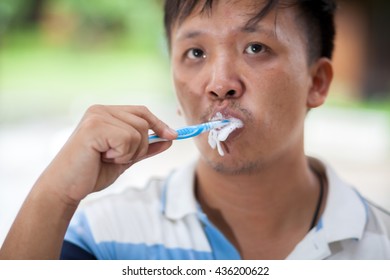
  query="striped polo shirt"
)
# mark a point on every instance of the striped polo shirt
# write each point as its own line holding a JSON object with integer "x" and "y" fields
{"x": 164, "y": 221}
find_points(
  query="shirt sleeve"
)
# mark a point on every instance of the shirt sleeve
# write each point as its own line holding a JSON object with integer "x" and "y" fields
{"x": 71, "y": 251}
{"x": 79, "y": 242}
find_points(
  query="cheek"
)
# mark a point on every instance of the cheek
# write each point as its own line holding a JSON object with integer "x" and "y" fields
{"x": 188, "y": 94}
{"x": 286, "y": 90}
{"x": 280, "y": 101}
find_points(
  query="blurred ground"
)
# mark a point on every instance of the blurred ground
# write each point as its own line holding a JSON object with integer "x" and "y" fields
{"x": 355, "y": 143}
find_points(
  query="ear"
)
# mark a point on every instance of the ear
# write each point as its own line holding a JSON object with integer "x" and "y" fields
{"x": 322, "y": 75}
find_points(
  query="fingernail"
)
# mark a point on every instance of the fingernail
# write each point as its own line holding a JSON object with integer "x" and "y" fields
{"x": 172, "y": 131}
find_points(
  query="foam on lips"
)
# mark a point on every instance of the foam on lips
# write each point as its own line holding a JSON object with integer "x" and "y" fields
{"x": 218, "y": 135}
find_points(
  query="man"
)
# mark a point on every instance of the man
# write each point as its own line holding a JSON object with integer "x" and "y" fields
{"x": 266, "y": 63}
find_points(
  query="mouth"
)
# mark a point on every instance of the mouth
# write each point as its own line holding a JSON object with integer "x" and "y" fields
{"x": 218, "y": 136}
{"x": 225, "y": 114}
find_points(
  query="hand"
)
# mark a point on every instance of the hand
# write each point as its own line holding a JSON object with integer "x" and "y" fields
{"x": 108, "y": 140}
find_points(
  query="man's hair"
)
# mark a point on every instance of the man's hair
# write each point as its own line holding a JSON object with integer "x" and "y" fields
{"x": 316, "y": 17}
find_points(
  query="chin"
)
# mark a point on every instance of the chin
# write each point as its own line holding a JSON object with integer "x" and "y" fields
{"x": 230, "y": 165}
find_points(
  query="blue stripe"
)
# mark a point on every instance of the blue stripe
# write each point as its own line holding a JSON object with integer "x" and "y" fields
{"x": 127, "y": 251}
{"x": 79, "y": 233}
{"x": 319, "y": 224}
{"x": 221, "y": 247}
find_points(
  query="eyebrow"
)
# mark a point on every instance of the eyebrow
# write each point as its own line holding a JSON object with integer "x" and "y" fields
{"x": 190, "y": 35}
{"x": 245, "y": 29}
{"x": 258, "y": 29}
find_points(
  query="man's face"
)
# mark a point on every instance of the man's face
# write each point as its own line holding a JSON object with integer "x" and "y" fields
{"x": 258, "y": 74}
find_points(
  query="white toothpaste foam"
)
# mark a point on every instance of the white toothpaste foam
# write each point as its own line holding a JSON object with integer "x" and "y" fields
{"x": 218, "y": 135}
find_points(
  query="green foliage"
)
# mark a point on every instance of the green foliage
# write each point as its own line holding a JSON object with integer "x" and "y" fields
{"x": 10, "y": 10}
{"x": 134, "y": 19}
{"x": 85, "y": 22}
{"x": 104, "y": 51}
{"x": 341, "y": 101}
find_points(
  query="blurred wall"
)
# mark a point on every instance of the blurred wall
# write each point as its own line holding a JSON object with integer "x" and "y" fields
{"x": 362, "y": 57}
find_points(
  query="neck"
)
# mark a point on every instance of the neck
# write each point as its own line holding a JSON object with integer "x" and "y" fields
{"x": 264, "y": 188}
{"x": 267, "y": 203}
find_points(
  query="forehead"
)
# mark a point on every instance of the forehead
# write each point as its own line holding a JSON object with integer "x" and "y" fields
{"x": 209, "y": 9}
{"x": 239, "y": 15}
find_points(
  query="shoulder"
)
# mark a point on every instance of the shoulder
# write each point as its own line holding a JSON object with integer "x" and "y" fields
{"x": 106, "y": 226}
{"x": 147, "y": 194}
{"x": 134, "y": 224}
{"x": 354, "y": 227}
{"x": 114, "y": 216}
{"x": 374, "y": 243}
{"x": 123, "y": 209}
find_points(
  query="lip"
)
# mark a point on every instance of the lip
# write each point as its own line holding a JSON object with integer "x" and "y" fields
{"x": 226, "y": 114}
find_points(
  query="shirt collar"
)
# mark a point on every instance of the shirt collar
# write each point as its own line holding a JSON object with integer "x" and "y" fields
{"x": 179, "y": 199}
{"x": 344, "y": 217}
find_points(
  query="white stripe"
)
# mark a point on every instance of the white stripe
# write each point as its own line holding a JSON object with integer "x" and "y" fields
{"x": 135, "y": 217}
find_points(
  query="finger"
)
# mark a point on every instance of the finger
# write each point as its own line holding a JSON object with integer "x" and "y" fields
{"x": 154, "y": 123}
{"x": 125, "y": 145}
{"x": 130, "y": 141}
{"x": 137, "y": 139}
{"x": 110, "y": 137}
{"x": 140, "y": 118}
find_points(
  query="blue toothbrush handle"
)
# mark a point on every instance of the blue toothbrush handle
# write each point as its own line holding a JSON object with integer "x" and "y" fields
{"x": 154, "y": 139}
{"x": 190, "y": 131}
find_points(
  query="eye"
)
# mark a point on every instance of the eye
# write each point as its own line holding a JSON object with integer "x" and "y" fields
{"x": 195, "y": 53}
{"x": 255, "y": 48}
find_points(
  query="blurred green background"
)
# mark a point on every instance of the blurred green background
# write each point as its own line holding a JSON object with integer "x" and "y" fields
{"x": 55, "y": 54}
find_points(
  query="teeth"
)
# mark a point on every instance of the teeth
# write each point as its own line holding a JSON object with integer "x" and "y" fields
{"x": 218, "y": 116}
{"x": 218, "y": 135}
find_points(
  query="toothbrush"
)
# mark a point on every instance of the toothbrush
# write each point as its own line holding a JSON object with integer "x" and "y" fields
{"x": 191, "y": 131}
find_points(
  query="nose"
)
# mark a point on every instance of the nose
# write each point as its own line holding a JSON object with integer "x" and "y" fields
{"x": 225, "y": 82}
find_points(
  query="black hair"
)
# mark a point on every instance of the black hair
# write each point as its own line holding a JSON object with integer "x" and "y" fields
{"x": 316, "y": 17}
